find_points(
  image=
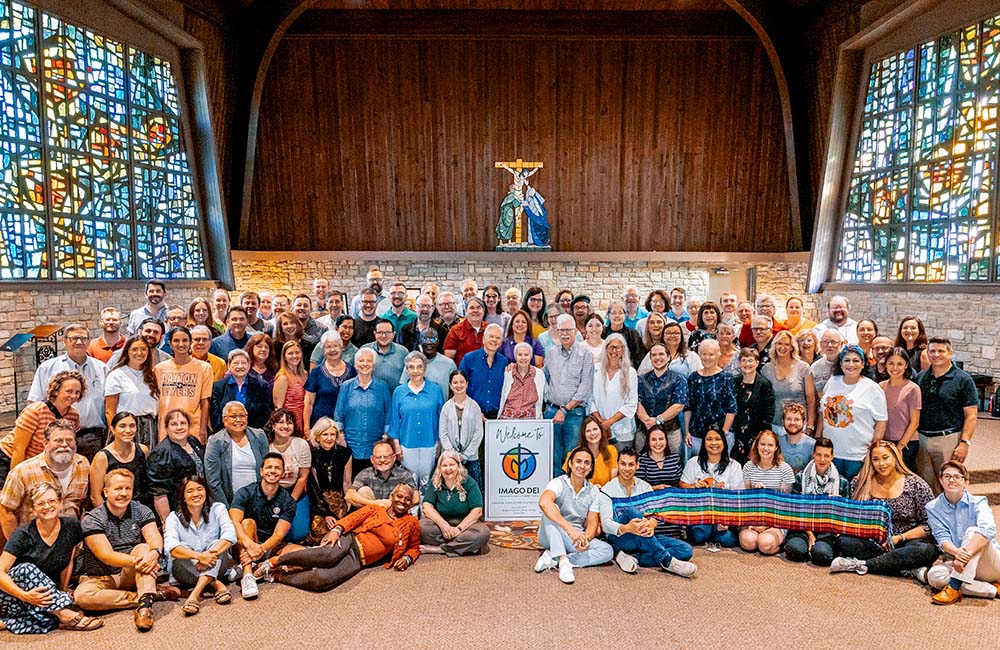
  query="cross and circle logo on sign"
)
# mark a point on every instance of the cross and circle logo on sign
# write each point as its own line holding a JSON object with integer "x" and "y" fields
{"x": 519, "y": 463}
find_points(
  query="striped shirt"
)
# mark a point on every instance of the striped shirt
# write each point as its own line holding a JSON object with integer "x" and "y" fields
{"x": 669, "y": 474}
{"x": 773, "y": 478}
{"x": 30, "y": 425}
{"x": 570, "y": 374}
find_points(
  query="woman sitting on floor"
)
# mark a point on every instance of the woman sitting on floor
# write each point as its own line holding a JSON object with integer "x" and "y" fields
{"x": 713, "y": 468}
{"x": 885, "y": 477}
{"x": 570, "y": 520}
{"x": 197, "y": 536}
{"x": 819, "y": 477}
{"x": 765, "y": 469}
{"x": 453, "y": 511}
{"x": 35, "y": 568}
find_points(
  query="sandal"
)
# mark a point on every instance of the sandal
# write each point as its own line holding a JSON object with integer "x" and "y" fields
{"x": 191, "y": 607}
{"x": 223, "y": 597}
{"x": 81, "y": 623}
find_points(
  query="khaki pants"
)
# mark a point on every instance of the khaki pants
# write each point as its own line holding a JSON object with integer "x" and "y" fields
{"x": 982, "y": 569}
{"x": 935, "y": 452}
{"x": 118, "y": 591}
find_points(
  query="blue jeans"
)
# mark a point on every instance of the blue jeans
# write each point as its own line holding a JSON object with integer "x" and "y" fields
{"x": 302, "y": 520}
{"x": 711, "y": 533}
{"x": 565, "y": 435}
{"x": 653, "y": 551}
{"x": 558, "y": 543}
{"x": 848, "y": 469}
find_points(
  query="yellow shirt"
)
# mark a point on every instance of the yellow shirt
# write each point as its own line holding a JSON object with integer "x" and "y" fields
{"x": 804, "y": 324}
{"x": 602, "y": 469}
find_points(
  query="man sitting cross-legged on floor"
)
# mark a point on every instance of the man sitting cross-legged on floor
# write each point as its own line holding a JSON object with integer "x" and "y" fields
{"x": 363, "y": 538}
{"x": 964, "y": 528}
{"x": 122, "y": 548}
{"x": 630, "y": 533}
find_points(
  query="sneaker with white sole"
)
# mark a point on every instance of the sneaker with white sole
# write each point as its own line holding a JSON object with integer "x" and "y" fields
{"x": 680, "y": 567}
{"x": 920, "y": 575}
{"x": 566, "y": 571}
{"x": 545, "y": 562}
{"x": 626, "y": 562}
{"x": 233, "y": 574}
{"x": 248, "y": 587}
{"x": 264, "y": 572}
{"x": 847, "y": 564}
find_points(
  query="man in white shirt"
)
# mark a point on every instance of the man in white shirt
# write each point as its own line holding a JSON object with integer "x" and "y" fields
{"x": 76, "y": 338}
{"x": 839, "y": 312}
{"x": 636, "y": 536}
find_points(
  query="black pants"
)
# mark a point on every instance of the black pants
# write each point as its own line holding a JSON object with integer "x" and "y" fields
{"x": 797, "y": 548}
{"x": 325, "y": 566}
{"x": 89, "y": 441}
{"x": 905, "y": 557}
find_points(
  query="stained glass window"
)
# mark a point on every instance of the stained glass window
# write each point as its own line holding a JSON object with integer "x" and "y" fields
{"x": 94, "y": 177}
{"x": 920, "y": 206}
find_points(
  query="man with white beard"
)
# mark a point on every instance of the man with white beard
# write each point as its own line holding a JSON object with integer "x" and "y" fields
{"x": 58, "y": 465}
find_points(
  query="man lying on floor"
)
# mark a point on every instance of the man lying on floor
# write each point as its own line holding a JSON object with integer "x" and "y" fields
{"x": 362, "y": 538}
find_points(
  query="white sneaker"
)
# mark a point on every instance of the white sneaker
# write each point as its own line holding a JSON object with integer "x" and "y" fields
{"x": 626, "y": 562}
{"x": 846, "y": 564}
{"x": 545, "y": 562}
{"x": 566, "y": 571}
{"x": 681, "y": 568}
{"x": 248, "y": 587}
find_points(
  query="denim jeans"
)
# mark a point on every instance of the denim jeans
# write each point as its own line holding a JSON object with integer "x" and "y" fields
{"x": 711, "y": 533}
{"x": 821, "y": 554}
{"x": 565, "y": 435}
{"x": 558, "y": 543}
{"x": 848, "y": 469}
{"x": 653, "y": 551}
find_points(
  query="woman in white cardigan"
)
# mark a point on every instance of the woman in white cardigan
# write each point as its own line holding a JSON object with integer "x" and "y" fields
{"x": 616, "y": 392}
{"x": 460, "y": 426}
{"x": 523, "y": 393}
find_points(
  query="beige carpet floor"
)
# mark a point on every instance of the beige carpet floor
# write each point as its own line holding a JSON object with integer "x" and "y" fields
{"x": 736, "y": 600}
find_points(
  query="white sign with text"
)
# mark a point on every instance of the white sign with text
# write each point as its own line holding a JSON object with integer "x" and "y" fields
{"x": 517, "y": 467}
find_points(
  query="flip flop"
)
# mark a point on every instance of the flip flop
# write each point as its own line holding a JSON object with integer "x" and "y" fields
{"x": 190, "y": 607}
{"x": 81, "y": 623}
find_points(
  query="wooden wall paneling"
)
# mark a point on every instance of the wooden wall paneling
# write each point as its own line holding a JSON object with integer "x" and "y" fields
{"x": 389, "y": 144}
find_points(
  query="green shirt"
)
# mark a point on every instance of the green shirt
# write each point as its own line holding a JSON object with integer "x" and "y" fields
{"x": 449, "y": 503}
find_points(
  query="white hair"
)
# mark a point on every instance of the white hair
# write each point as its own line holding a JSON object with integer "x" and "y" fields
{"x": 493, "y": 326}
{"x": 565, "y": 319}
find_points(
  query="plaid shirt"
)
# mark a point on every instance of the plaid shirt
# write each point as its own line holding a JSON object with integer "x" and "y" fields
{"x": 34, "y": 471}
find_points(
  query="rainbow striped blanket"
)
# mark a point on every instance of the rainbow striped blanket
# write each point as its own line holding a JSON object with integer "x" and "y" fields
{"x": 759, "y": 507}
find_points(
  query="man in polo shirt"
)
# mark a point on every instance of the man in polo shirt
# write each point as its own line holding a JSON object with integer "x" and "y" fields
{"x": 235, "y": 335}
{"x": 389, "y": 356}
{"x": 569, "y": 371}
{"x": 121, "y": 554}
{"x": 398, "y": 313}
{"x": 201, "y": 340}
{"x": 634, "y": 311}
{"x": 425, "y": 321}
{"x": 90, "y": 435}
{"x": 110, "y": 339}
{"x": 630, "y": 533}
{"x": 261, "y": 511}
{"x": 155, "y": 307}
{"x": 468, "y": 334}
{"x": 373, "y": 485}
{"x": 765, "y": 307}
{"x": 58, "y": 464}
{"x": 948, "y": 418}
{"x": 484, "y": 369}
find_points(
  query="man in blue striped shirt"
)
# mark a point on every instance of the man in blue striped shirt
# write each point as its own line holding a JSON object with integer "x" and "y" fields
{"x": 569, "y": 370}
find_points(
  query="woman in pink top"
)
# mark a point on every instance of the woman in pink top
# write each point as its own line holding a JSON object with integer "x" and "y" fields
{"x": 903, "y": 402}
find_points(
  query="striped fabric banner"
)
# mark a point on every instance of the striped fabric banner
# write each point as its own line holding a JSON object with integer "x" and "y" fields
{"x": 759, "y": 507}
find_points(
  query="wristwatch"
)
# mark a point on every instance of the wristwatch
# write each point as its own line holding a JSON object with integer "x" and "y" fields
{"x": 968, "y": 442}
{"x": 659, "y": 422}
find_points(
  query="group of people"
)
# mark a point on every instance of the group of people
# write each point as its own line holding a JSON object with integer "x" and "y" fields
{"x": 294, "y": 439}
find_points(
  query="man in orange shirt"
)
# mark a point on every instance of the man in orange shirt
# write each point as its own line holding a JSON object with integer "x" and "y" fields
{"x": 110, "y": 339}
{"x": 361, "y": 539}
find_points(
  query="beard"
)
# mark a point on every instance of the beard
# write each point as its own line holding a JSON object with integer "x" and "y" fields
{"x": 62, "y": 456}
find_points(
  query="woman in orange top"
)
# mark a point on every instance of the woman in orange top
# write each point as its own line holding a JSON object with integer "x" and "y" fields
{"x": 793, "y": 316}
{"x": 598, "y": 440}
{"x": 28, "y": 437}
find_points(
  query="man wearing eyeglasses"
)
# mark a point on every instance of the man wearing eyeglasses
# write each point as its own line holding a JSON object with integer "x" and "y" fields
{"x": 760, "y": 327}
{"x": 964, "y": 527}
{"x": 569, "y": 370}
{"x": 409, "y": 335}
{"x": 374, "y": 485}
{"x": 76, "y": 339}
{"x": 374, "y": 280}
{"x": 365, "y": 321}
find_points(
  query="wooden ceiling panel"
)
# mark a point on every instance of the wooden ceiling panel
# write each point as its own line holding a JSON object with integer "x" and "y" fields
{"x": 530, "y": 5}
